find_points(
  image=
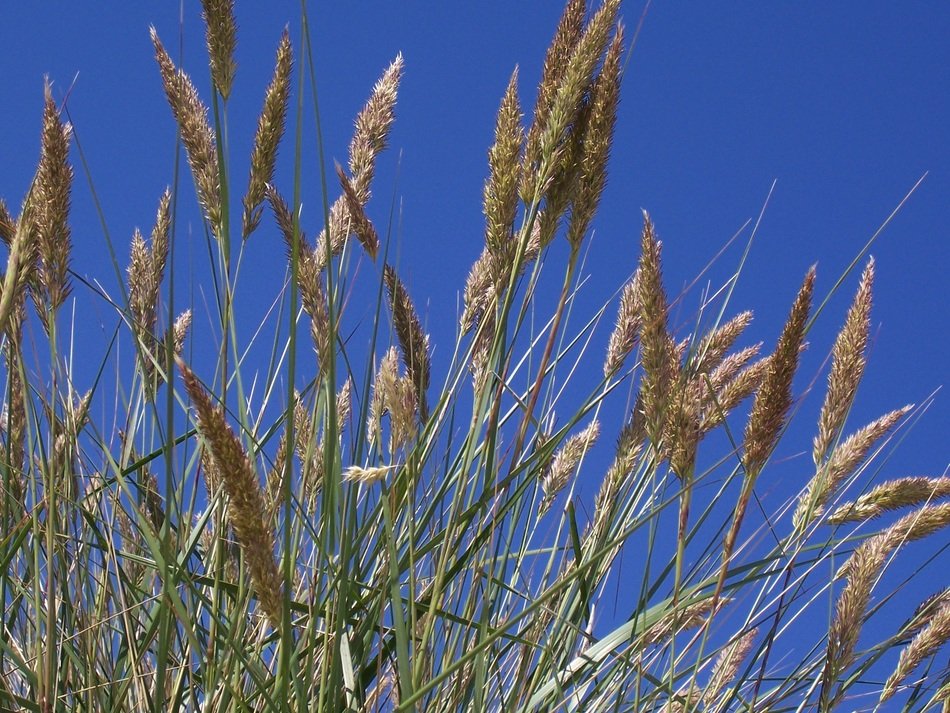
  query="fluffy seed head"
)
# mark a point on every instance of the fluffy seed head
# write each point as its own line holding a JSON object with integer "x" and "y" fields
{"x": 359, "y": 223}
{"x": 847, "y": 367}
{"x": 624, "y": 336}
{"x": 221, "y": 36}
{"x": 598, "y": 136}
{"x": 246, "y": 506}
{"x": 841, "y": 464}
{"x": 501, "y": 188}
{"x": 7, "y": 224}
{"x": 727, "y": 665}
{"x": 564, "y": 462}
{"x": 413, "y": 341}
{"x": 270, "y": 131}
{"x": 196, "y": 134}
{"x": 373, "y": 124}
{"x": 574, "y": 84}
{"x": 893, "y": 495}
{"x": 657, "y": 356}
{"x": 52, "y": 191}
{"x": 711, "y": 350}
{"x": 366, "y": 476}
{"x": 565, "y": 40}
{"x": 925, "y": 644}
{"x": 774, "y": 397}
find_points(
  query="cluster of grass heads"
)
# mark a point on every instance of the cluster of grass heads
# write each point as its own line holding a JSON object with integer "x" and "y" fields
{"x": 345, "y": 525}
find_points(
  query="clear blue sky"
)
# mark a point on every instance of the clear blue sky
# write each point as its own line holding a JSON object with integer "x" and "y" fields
{"x": 845, "y": 106}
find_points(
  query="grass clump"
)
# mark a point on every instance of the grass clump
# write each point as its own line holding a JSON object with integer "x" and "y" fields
{"x": 353, "y": 524}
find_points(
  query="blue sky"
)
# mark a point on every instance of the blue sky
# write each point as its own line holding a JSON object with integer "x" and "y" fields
{"x": 844, "y": 110}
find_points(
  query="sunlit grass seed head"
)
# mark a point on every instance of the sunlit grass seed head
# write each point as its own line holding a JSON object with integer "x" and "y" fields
{"x": 246, "y": 507}
{"x": 221, "y": 36}
{"x": 847, "y": 367}
{"x": 774, "y": 396}
{"x": 52, "y": 195}
{"x": 500, "y": 202}
{"x": 270, "y": 131}
{"x": 191, "y": 115}
{"x": 892, "y": 495}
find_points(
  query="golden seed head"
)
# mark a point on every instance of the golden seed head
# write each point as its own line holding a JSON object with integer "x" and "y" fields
{"x": 597, "y": 138}
{"x": 246, "y": 505}
{"x": 221, "y": 36}
{"x": 562, "y": 46}
{"x": 924, "y": 645}
{"x": 501, "y": 188}
{"x": 413, "y": 341}
{"x": 841, "y": 464}
{"x": 564, "y": 463}
{"x": 656, "y": 354}
{"x": 51, "y": 195}
{"x": 367, "y": 476}
{"x": 270, "y": 131}
{"x": 774, "y": 397}
{"x": 892, "y": 495}
{"x": 624, "y": 337}
{"x": 373, "y": 125}
{"x": 847, "y": 367}
{"x": 359, "y": 223}
{"x": 196, "y": 134}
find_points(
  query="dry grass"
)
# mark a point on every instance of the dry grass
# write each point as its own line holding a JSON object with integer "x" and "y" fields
{"x": 349, "y": 522}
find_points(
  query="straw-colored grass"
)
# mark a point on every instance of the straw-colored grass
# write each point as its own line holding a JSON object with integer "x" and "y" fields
{"x": 364, "y": 520}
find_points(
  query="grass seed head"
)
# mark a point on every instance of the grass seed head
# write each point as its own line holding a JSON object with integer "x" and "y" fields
{"x": 270, "y": 131}
{"x": 246, "y": 506}
{"x": 413, "y": 341}
{"x": 847, "y": 367}
{"x": 841, "y": 464}
{"x": 656, "y": 355}
{"x": 774, "y": 397}
{"x": 359, "y": 223}
{"x": 501, "y": 188}
{"x": 598, "y": 137}
{"x": 562, "y": 46}
{"x": 893, "y": 495}
{"x": 196, "y": 134}
{"x": 51, "y": 193}
{"x": 564, "y": 463}
{"x": 221, "y": 36}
